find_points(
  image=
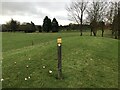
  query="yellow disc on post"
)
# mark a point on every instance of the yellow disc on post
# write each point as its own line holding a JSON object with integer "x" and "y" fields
{"x": 59, "y": 40}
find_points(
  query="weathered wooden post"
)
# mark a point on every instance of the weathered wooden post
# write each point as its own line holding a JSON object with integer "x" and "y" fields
{"x": 59, "y": 46}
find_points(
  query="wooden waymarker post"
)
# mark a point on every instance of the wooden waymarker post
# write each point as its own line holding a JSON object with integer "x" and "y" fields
{"x": 59, "y": 45}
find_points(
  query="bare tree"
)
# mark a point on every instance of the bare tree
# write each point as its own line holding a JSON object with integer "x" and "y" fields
{"x": 110, "y": 12}
{"x": 76, "y": 12}
{"x": 115, "y": 20}
{"x": 119, "y": 20}
{"x": 96, "y": 12}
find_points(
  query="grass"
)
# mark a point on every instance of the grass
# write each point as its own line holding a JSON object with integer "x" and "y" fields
{"x": 88, "y": 61}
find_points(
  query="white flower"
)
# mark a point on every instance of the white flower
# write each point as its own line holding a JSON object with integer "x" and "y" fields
{"x": 43, "y": 66}
{"x": 29, "y": 77}
{"x": 27, "y": 66}
{"x": 2, "y": 79}
{"x": 25, "y": 79}
{"x": 50, "y": 71}
{"x": 91, "y": 59}
{"x": 29, "y": 58}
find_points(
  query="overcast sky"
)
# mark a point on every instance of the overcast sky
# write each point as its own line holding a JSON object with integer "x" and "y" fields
{"x": 34, "y": 10}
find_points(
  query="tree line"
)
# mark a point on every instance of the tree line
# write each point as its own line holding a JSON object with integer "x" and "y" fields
{"x": 48, "y": 26}
{"x": 99, "y": 13}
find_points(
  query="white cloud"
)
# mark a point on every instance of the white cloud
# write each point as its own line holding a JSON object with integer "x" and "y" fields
{"x": 24, "y": 11}
{"x": 34, "y": 10}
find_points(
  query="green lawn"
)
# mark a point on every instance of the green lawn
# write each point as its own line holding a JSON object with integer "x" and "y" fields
{"x": 88, "y": 61}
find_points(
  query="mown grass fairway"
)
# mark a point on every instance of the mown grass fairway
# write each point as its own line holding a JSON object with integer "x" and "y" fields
{"x": 88, "y": 61}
